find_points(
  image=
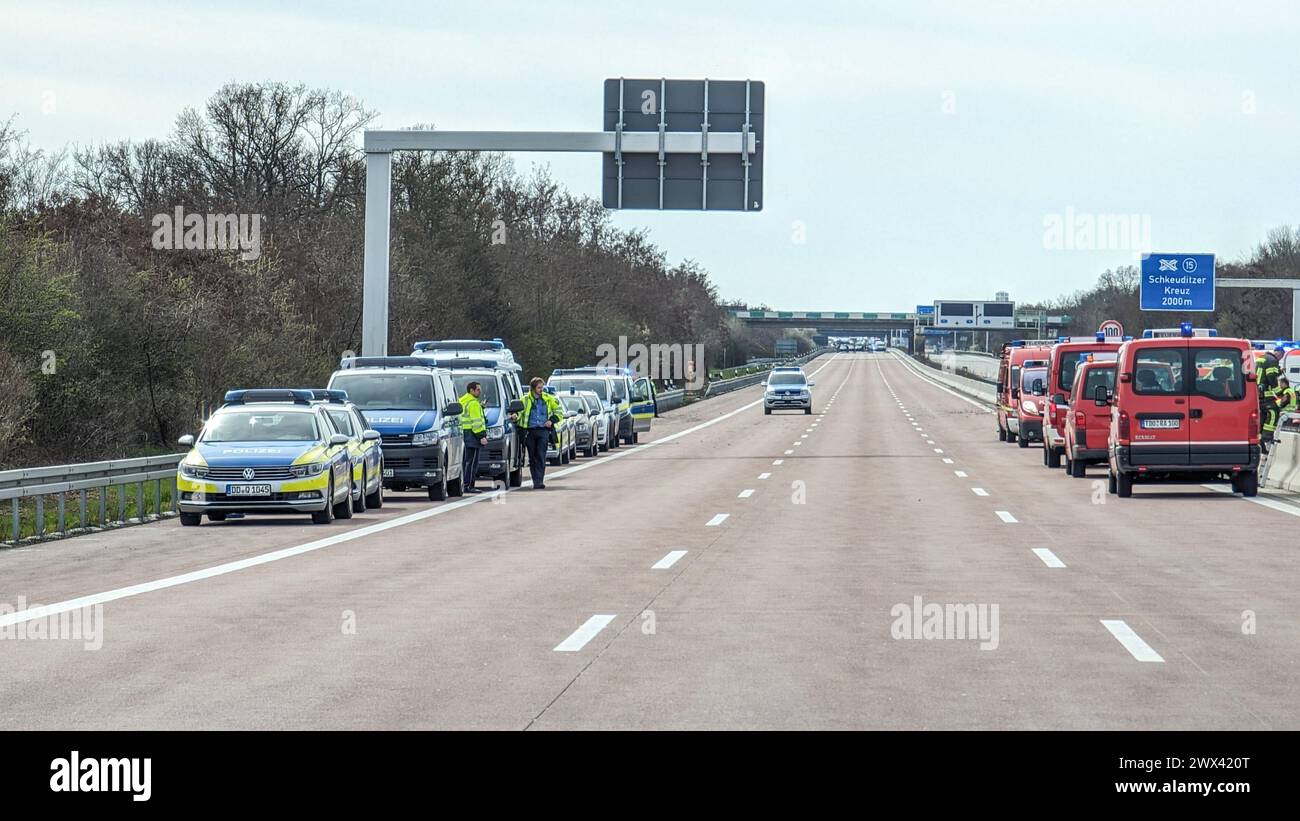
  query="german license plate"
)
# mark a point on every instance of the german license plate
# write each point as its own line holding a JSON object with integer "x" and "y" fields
{"x": 388, "y": 473}
{"x": 248, "y": 490}
{"x": 1162, "y": 424}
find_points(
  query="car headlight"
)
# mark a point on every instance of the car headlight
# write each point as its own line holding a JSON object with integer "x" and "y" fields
{"x": 496, "y": 431}
{"x": 194, "y": 471}
{"x": 310, "y": 469}
{"x": 428, "y": 437}
{"x": 1028, "y": 406}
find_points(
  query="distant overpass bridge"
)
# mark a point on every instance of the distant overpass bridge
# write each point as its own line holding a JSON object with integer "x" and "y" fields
{"x": 868, "y": 323}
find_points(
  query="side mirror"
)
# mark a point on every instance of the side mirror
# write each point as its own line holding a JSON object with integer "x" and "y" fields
{"x": 1126, "y": 377}
{"x": 569, "y": 414}
{"x": 515, "y": 406}
{"x": 1059, "y": 399}
{"x": 1101, "y": 396}
{"x": 764, "y": 382}
{"x": 338, "y": 439}
{"x": 370, "y": 435}
{"x": 1015, "y": 393}
{"x": 812, "y": 384}
{"x": 452, "y": 409}
{"x": 188, "y": 439}
{"x": 1038, "y": 389}
{"x": 1001, "y": 386}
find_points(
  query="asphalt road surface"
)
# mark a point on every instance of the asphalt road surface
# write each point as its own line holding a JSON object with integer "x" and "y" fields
{"x": 734, "y": 570}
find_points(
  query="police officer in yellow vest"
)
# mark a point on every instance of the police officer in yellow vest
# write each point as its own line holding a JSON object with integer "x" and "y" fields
{"x": 474, "y": 426}
{"x": 541, "y": 413}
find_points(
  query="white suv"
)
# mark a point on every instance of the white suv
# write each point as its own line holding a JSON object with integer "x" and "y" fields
{"x": 787, "y": 388}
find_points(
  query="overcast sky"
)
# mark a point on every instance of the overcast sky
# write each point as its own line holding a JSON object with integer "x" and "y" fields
{"x": 919, "y": 150}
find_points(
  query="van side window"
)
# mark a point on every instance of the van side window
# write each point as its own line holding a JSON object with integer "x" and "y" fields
{"x": 1218, "y": 373}
{"x": 1159, "y": 372}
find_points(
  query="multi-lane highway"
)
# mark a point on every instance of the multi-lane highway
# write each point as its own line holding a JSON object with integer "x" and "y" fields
{"x": 733, "y": 570}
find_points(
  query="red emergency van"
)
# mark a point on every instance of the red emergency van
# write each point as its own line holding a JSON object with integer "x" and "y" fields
{"x": 1087, "y": 420}
{"x": 1016, "y": 356}
{"x": 1184, "y": 409}
{"x": 1062, "y": 365}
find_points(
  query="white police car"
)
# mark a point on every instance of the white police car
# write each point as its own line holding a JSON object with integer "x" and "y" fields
{"x": 787, "y": 389}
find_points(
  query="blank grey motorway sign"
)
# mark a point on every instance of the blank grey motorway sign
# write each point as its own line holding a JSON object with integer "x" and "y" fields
{"x": 696, "y": 179}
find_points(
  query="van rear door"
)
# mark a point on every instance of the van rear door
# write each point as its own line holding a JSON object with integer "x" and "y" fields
{"x": 1219, "y": 405}
{"x": 1159, "y": 422}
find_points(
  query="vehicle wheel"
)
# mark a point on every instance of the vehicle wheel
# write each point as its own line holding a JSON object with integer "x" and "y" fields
{"x": 376, "y": 499}
{"x": 1022, "y": 441}
{"x": 807, "y": 411}
{"x": 1053, "y": 456}
{"x": 636, "y": 437}
{"x": 191, "y": 519}
{"x": 1011, "y": 437}
{"x": 456, "y": 487}
{"x": 517, "y": 477}
{"x": 1247, "y": 484}
{"x": 325, "y": 516}
{"x": 1124, "y": 485}
{"x": 767, "y": 411}
{"x": 1110, "y": 483}
{"x": 438, "y": 492}
{"x": 1077, "y": 469}
{"x": 564, "y": 456}
{"x": 343, "y": 510}
{"x": 359, "y": 506}
{"x": 615, "y": 441}
{"x": 216, "y": 517}
{"x": 1002, "y": 434}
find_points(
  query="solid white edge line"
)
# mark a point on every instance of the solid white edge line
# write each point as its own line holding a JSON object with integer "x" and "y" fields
{"x": 579, "y": 638}
{"x": 1132, "y": 642}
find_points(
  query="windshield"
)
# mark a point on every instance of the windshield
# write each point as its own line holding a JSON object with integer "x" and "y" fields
{"x": 786, "y": 379}
{"x": 563, "y": 383}
{"x": 620, "y": 389}
{"x": 280, "y": 426}
{"x": 1031, "y": 375}
{"x": 387, "y": 391}
{"x": 490, "y": 397}
{"x": 573, "y": 403}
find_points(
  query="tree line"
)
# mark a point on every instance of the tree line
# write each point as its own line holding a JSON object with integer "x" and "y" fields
{"x": 112, "y": 346}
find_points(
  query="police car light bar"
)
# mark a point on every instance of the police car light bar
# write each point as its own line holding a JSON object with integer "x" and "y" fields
{"x": 248, "y": 396}
{"x": 460, "y": 345}
{"x": 332, "y": 396}
{"x": 384, "y": 362}
{"x": 460, "y": 362}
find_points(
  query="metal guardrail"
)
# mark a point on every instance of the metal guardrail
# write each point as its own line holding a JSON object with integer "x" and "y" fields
{"x": 62, "y": 480}
{"x": 667, "y": 400}
{"x": 721, "y": 386}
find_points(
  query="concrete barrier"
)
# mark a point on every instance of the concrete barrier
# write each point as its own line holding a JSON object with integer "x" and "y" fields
{"x": 981, "y": 391}
{"x": 1282, "y": 470}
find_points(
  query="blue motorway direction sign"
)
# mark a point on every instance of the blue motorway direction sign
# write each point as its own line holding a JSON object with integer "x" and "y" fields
{"x": 1177, "y": 282}
{"x": 925, "y": 310}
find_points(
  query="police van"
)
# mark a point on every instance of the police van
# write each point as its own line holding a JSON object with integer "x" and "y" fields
{"x": 1184, "y": 409}
{"x": 415, "y": 408}
{"x": 502, "y": 459}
